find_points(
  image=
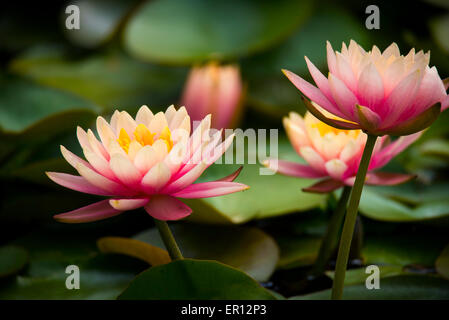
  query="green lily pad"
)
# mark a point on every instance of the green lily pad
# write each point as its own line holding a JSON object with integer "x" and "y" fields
{"x": 101, "y": 278}
{"x": 357, "y": 276}
{"x": 379, "y": 207}
{"x": 298, "y": 251}
{"x": 99, "y": 21}
{"x": 31, "y": 108}
{"x": 180, "y": 32}
{"x": 401, "y": 250}
{"x": 193, "y": 279}
{"x": 12, "y": 260}
{"x": 442, "y": 263}
{"x": 249, "y": 249}
{"x": 404, "y": 287}
{"x": 111, "y": 79}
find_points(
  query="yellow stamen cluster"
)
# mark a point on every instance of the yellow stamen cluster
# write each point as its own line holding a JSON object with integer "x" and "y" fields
{"x": 144, "y": 137}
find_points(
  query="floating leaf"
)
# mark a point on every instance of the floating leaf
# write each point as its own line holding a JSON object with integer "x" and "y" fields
{"x": 12, "y": 260}
{"x": 404, "y": 287}
{"x": 442, "y": 263}
{"x": 111, "y": 79}
{"x": 298, "y": 251}
{"x": 99, "y": 21}
{"x": 185, "y": 32}
{"x": 138, "y": 249}
{"x": 380, "y": 207}
{"x": 356, "y": 276}
{"x": 249, "y": 249}
{"x": 193, "y": 279}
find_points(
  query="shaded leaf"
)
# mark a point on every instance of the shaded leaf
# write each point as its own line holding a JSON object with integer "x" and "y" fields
{"x": 12, "y": 260}
{"x": 192, "y": 279}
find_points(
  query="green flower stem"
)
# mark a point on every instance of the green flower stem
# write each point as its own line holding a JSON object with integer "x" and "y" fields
{"x": 330, "y": 240}
{"x": 351, "y": 217}
{"x": 169, "y": 240}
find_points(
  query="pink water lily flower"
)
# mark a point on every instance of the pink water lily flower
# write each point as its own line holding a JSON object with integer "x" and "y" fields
{"x": 334, "y": 155}
{"x": 214, "y": 89}
{"x": 378, "y": 92}
{"x": 148, "y": 162}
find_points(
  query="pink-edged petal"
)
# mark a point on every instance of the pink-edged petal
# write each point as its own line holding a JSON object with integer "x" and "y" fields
{"x": 156, "y": 178}
{"x": 99, "y": 164}
{"x": 413, "y": 125}
{"x": 94, "y": 212}
{"x": 124, "y": 170}
{"x": 165, "y": 207}
{"x": 292, "y": 169}
{"x": 72, "y": 158}
{"x": 76, "y": 183}
{"x": 400, "y": 98}
{"x": 313, "y": 158}
{"x": 344, "y": 98}
{"x": 312, "y": 92}
{"x": 345, "y": 73}
{"x": 339, "y": 124}
{"x": 368, "y": 119}
{"x": 210, "y": 189}
{"x": 322, "y": 82}
{"x": 387, "y": 178}
{"x": 128, "y": 204}
{"x": 187, "y": 179}
{"x": 370, "y": 87}
{"x": 383, "y": 156}
{"x": 101, "y": 182}
{"x": 324, "y": 186}
{"x": 232, "y": 176}
{"x": 336, "y": 168}
{"x": 445, "y": 103}
{"x": 331, "y": 58}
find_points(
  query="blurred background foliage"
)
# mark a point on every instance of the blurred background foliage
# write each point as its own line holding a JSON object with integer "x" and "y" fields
{"x": 130, "y": 53}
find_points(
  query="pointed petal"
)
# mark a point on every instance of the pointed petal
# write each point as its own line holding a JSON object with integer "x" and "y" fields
{"x": 210, "y": 189}
{"x": 156, "y": 178}
{"x": 368, "y": 119}
{"x": 187, "y": 179}
{"x": 76, "y": 183}
{"x": 339, "y": 124}
{"x": 344, "y": 98}
{"x": 144, "y": 116}
{"x": 128, "y": 204}
{"x": 94, "y": 212}
{"x": 418, "y": 123}
{"x": 312, "y": 92}
{"x": 165, "y": 207}
{"x": 232, "y": 176}
{"x": 370, "y": 87}
{"x": 292, "y": 169}
{"x": 388, "y": 178}
{"x": 72, "y": 158}
{"x": 336, "y": 168}
{"x": 124, "y": 170}
{"x": 324, "y": 186}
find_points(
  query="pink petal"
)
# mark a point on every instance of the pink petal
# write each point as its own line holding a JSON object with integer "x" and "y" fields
{"x": 187, "y": 179}
{"x": 97, "y": 211}
{"x": 128, "y": 204}
{"x": 312, "y": 92}
{"x": 345, "y": 99}
{"x": 370, "y": 87}
{"x": 232, "y": 176}
{"x": 387, "y": 178}
{"x": 76, "y": 183}
{"x": 124, "y": 170}
{"x": 324, "y": 186}
{"x": 369, "y": 120}
{"x": 381, "y": 158}
{"x": 102, "y": 182}
{"x": 165, "y": 207}
{"x": 445, "y": 103}
{"x": 400, "y": 98}
{"x": 156, "y": 178}
{"x": 72, "y": 158}
{"x": 293, "y": 169}
{"x": 210, "y": 189}
{"x": 331, "y": 58}
{"x": 345, "y": 73}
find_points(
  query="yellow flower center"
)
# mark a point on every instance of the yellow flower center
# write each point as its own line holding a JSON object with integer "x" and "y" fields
{"x": 144, "y": 137}
{"x": 323, "y": 129}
